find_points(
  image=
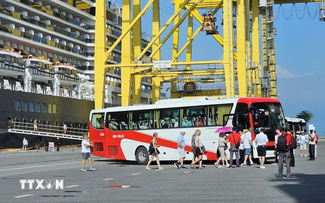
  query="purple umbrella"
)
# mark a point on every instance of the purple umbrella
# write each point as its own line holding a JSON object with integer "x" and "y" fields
{"x": 224, "y": 130}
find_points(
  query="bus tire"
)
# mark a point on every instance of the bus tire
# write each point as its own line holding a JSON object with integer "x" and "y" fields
{"x": 142, "y": 156}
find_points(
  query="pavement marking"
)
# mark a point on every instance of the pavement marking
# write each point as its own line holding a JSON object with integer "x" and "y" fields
{"x": 23, "y": 196}
{"x": 108, "y": 179}
{"x": 38, "y": 166}
{"x": 119, "y": 186}
{"x": 71, "y": 186}
{"x": 135, "y": 174}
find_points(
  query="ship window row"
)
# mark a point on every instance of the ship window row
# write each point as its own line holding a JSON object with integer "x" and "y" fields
{"x": 54, "y": 12}
{"x": 37, "y": 107}
{"x": 67, "y": 31}
{"x": 110, "y": 15}
{"x": 47, "y": 24}
{"x": 62, "y": 45}
{"x": 45, "y": 40}
{"x": 196, "y": 116}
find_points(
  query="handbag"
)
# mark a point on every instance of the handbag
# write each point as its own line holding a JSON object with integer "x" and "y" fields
{"x": 151, "y": 149}
{"x": 203, "y": 148}
{"x": 226, "y": 147}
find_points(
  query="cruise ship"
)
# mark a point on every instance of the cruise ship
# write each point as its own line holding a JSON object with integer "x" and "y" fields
{"x": 47, "y": 65}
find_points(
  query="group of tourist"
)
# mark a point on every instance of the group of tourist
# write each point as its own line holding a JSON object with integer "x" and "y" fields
{"x": 241, "y": 144}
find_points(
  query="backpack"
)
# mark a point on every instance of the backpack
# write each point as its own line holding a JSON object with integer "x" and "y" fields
{"x": 193, "y": 143}
{"x": 293, "y": 144}
{"x": 282, "y": 143}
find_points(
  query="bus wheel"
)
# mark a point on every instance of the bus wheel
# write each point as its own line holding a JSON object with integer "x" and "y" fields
{"x": 142, "y": 156}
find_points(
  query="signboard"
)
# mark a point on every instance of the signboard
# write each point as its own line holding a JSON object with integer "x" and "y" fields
{"x": 51, "y": 145}
{"x": 162, "y": 64}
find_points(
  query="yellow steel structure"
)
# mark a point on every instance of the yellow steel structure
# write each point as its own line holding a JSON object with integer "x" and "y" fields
{"x": 244, "y": 75}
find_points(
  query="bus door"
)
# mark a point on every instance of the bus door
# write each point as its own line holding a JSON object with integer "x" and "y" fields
{"x": 97, "y": 134}
{"x": 116, "y": 129}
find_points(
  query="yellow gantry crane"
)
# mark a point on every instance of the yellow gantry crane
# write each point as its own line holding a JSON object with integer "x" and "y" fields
{"x": 242, "y": 72}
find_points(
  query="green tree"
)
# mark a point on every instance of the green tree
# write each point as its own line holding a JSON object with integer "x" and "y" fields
{"x": 306, "y": 115}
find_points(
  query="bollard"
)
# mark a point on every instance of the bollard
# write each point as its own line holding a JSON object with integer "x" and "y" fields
{"x": 73, "y": 148}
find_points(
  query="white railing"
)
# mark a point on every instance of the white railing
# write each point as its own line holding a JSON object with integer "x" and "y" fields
{"x": 47, "y": 130}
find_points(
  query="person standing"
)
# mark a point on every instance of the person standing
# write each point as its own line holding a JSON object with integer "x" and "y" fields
{"x": 241, "y": 148}
{"x": 303, "y": 144}
{"x": 283, "y": 146}
{"x": 292, "y": 154}
{"x": 35, "y": 125}
{"x": 181, "y": 150}
{"x": 25, "y": 144}
{"x": 247, "y": 146}
{"x": 222, "y": 143}
{"x": 46, "y": 144}
{"x": 58, "y": 144}
{"x": 278, "y": 133}
{"x": 261, "y": 140}
{"x": 316, "y": 142}
{"x": 154, "y": 152}
{"x": 312, "y": 141}
{"x": 65, "y": 128}
{"x": 233, "y": 139}
{"x": 85, "y": 152}
{"x": 198, "y": 150}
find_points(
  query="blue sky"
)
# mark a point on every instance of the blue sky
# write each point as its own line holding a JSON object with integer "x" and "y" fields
{"x": 300, "y": 55}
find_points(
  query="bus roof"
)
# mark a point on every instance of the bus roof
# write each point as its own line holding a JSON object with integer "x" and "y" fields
{"x": 184, "y": 102}
{"x": 295, "y": 120}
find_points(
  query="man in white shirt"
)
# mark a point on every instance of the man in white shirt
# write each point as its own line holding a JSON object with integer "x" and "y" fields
{"x": 85, "y": 152}
{"x": 247, "y": 140}
{"x": 312, "y": 142}
{"x": 25, "y": 144}
{"x": 261, "y": 140}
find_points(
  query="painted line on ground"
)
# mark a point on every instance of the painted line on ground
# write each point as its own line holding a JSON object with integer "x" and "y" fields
{"x": 108, "y": 179}
{"x": 119, "y": 186}
{"x": 27, "y": 195}
{"x": 135, "y": 174}
{"x": 71, "y": 186}
{"x": 38, "y": 166}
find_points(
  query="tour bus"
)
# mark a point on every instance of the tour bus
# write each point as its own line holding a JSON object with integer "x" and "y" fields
{"x": 124, "y": 133}
{"x": 297, "y": 125}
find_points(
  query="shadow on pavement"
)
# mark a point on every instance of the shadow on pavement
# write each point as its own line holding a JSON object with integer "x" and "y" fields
{"x": 304, "y": 187}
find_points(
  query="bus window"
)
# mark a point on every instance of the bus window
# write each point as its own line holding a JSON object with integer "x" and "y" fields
{"x": 167, "y": 118}
{"x": 141, "y": 119}
{"x": 193, "y": 116}
{"x": 216, "y": 114}
{"x": 97, "y": 120}
{"x": 241, "y": 120}
{"x": 117, "y": 121}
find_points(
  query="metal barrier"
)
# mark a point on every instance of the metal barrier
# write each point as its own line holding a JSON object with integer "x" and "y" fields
{"x": 47, "y": 130}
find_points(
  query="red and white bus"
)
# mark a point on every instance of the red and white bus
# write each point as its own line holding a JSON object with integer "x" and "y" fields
{"x": 124, "y": 133}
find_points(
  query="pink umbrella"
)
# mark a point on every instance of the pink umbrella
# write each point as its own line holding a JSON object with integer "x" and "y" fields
{"x": 224, "y": 130}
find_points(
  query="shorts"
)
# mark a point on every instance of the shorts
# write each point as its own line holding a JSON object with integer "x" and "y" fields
{"x": 35, "y": 126}
{"x": 247, "y": 151}
{"x": 85, "y": 156}
{"x": 261, "y": 150}
{"x": 181, "y": 152}
{"x": 303, "y": 146}
{"x": 222, "y": 152}
{"x": 25, "y": 145}
{"x": 153, "y": 153}
{"x": 198, "y": 151}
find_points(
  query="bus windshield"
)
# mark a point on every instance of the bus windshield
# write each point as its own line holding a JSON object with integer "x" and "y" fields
{"x": 269, "y": 116}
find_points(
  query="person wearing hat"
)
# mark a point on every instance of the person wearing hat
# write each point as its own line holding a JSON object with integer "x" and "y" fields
{"x": 181, "y": 150}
